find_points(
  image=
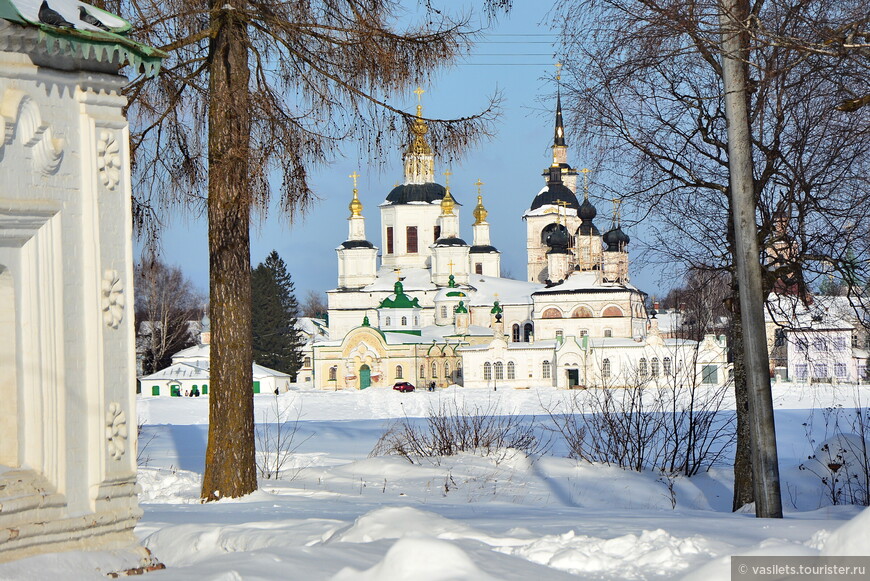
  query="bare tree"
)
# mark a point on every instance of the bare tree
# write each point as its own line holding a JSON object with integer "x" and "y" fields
{"x": 166, "y": 305}
{"x": 314, "y": 305}
{"x": 661, "y": 105}
{"x": 258, "y": 87}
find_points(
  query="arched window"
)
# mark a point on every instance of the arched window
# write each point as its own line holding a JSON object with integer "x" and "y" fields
{"x": 643, "y": 368}
{"x": 605, "y": 369}
{"x": 416, "y": 321}
{"x": 399, "y": 372}
{"x": 528, "y": 330}
{"x": 447, "y": 369}
{"x": 515, "y": 333}
{"x": 404, "y": 321}
{"x": 552, "y": 313}
{"x": 422, "y": 371}
{"x": 582, "y": 313}
{"x": 332, "y": 373}
{"x": 512, "y": 370}
{"x": 443, "y": 311}
{"x": 666, "y": 366}
{"x": 654, "y": 366}
{"x": 387, "y": 322}
{"x": 478, "y": 268}
{"x": 499, "y": 370}
{"x": 306, "y": 362}
{"x": 608, "y": 332}
{"x": 612, "y": 312}
{"x": 487, "y": 371}
{"x": 545, "y": 369}
{"x": 434, "y": 369}
{"x": 459, "y": 368}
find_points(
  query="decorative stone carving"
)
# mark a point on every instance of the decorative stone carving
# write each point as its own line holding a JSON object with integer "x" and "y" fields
{"x": 112, "y": 298}
{"x": 116, "y": 430}
{"x": 20, "y": 114}
{"x": 108, "y": 159}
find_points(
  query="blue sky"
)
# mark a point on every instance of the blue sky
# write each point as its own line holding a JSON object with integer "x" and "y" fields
{"x": 517, "y": 57}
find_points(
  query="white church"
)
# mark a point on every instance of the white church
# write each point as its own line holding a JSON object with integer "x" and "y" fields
{"x": 428, "y": 307}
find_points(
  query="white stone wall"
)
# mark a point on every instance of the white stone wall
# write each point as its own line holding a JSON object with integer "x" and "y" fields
{"x": 69, "y": 435}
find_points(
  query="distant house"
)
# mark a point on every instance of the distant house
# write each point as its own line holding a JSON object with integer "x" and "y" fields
{"x": 822, "y": 342}
{"x": 313, "y": 331}
{"x": 189, "y": 373}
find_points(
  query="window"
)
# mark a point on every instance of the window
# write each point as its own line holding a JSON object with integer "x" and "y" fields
{"x": 416, "y": 321}
{"x": 411, "y": 239}
{"x": 443, "y": 311}
{"x": 478, "y": 268}
{"x": 404, "y": 321}
{"x": 499, "y": 370}
{"x": 437, "y": 233}
{"x": 654, "y": 366}
{"x": 710, "y": 374}
{"x": 862, "y": 373}
{"x": 422, "y": 371}
{"x": 487, "y": 371}
{"x": 387, "y": 322}
{"x": 855, "y": 340}
{"x": 204, "y": 389}
{"x": 515, "y": 333}
{"x": 528, "y": 331}
{"x": 399, "y": 372}
{"x": 447, "y": 369}
{"x": 434, "y": 369}
{"x": 820, "y": 371}
{"x": 306, "y": 362}
{"x": 819, "y": 344}
{"x": 332, "y": 372}
{"x": 800, "y": 372}
{"x": 560, "y": 335}
{"x": 389, "y": 239}
{"x": 840, "y": 370}
{"x": 459, "y": 368}
{"x": 545, "y": 369}
{"x": 643, "y": 368}
{"x": 779, "y": 338}
{"x": 839, "y": 343}
{"x": 512, "y": 370}
{"x": 155, "y": 390}
{"x": 608, "y": 332}
{"x": 605, "y": 369}
{"x": 666, "y": 365}
{"x": 552, "y": 313}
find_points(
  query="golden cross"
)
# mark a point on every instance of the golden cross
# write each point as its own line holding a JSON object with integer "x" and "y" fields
{"x": 450, "y": 264}
{"x": 419, "y": 92}
{"x": 616, "y": 203}
{"x": 447, "y": 175}
{"x": 585, "y": 171}
{"x": 558, "y": 71}
{"x": 478, "y": 183}
{"x": 354, "y": 177}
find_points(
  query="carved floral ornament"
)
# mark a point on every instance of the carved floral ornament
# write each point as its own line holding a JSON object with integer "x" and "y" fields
{"x": 112, "y": 299}
{"x": 108, "y": 159}
{"x": 116, "y": 430}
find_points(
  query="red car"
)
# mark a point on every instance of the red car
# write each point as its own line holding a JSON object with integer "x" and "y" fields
{"x": 403, "y": 386}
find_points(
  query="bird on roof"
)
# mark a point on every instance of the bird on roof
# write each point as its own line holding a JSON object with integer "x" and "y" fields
{"x": 52, "y": 17}
{"x": 86, "y": 16}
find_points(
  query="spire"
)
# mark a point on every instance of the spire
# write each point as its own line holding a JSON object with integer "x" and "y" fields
{"x": 479, "y": 212}
{"x": 559, "y": 137}
{"x": 355, "y": 205}
{"x": 419, "y": 160}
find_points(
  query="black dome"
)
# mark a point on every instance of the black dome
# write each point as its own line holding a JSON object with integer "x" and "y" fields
{"x": 483, "y": 249}
{"x": 357, "y": 244}
{"x": 406, "y": 193}
{"x": 555, "y": 192}
{"x": 615, "y": 239}
{"x": 450, "y": 242}
{"x": 587, "y": 211}
{"x": 558, "y": 238}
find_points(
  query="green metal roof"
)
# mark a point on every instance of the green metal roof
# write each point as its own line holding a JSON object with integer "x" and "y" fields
{"x": 399, "y": 300}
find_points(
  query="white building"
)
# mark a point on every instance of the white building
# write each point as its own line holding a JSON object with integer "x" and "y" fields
{"x": 67, "y": 349}
{"x": 436, "y": 309}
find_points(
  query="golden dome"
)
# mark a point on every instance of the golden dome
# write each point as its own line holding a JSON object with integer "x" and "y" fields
{"x": 479, "y": 212}
{"x": 447, "y": 204}
{"x": 355, "y": 205}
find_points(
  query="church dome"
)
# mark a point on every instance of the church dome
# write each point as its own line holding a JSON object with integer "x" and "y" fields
{"x": 558, "y": 239}
{"x": 555, "y": 192}
{"x": 616, "y": 239}
{"x": 407, "y": 193}
{"x": 587, "y": 211}
{"x": 357, "y": 244}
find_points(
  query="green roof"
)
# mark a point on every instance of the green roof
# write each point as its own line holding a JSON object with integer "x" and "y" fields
{"x": 399, "y": 300}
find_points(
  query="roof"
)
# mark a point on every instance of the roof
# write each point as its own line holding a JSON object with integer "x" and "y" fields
{"x": 585, "y": 282}
{"x": 199, "y": 370}
{"x": 407, "y": 193}
{"x": 399, "y": 300}
{"x": 552, "y": 194}
{"x": 84, "y": 40}
{"x": 823, "y": 313}
{"x": 509, "y": 291}
{"x": 413, "y": 279}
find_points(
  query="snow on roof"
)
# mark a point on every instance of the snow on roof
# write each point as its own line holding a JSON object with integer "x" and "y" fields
{"x": 509, "y": 291}
{"x": 413, "y": 279}
{"x": 585, "y": 281}
{"x": 549, "y": 208}
{"x": 261, "y": 371}
{"x": 195, "y": 370}
{"x": 790, "y": 311}
{"x": 195, "y": 352}
{"x": 311, "y": 326}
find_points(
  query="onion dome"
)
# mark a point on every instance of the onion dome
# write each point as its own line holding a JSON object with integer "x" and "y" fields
{"x": 447, "y": 203}
{"x": 399, "y": 300}
{"x": 587, "y": 211}
{"x": 616, "y": 239}
{"x": 366, "y": 322}
{"x": 461, "y": 308}
{"x": 555, "y": 192}
{"x": 479, "y": 212}
{"x": 355, "y": 205}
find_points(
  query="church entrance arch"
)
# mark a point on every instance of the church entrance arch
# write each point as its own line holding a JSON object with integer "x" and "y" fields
{"x": 365, "y": 376}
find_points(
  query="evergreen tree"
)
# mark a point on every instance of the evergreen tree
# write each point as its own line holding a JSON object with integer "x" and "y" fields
{"x": 277, "y": 342}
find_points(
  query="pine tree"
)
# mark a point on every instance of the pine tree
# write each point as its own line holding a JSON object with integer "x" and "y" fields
{"x": 277, "y": 342}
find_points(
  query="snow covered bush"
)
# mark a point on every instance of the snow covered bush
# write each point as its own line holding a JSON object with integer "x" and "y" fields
{"x": 276, "y": 440}
{"x": 451, "y": 428}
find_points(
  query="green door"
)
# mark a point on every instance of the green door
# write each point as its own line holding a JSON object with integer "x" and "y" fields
{"x": 365, "y": 377}
{"x": 155, "y": 390}
{"x": 256, "y": 387}
{"x": 204, "y": 389}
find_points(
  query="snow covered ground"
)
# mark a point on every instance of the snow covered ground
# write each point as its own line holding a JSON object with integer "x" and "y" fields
{"x": 339, "y": 514}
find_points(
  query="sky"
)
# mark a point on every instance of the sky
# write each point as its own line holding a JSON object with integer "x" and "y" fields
{"x": 515, "y": 56}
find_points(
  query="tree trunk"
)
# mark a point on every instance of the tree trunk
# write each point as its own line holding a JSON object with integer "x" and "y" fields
{"x": 230, "y": 469}
{"x": 765, "y": 466}
{"x": 743, "y": 453}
